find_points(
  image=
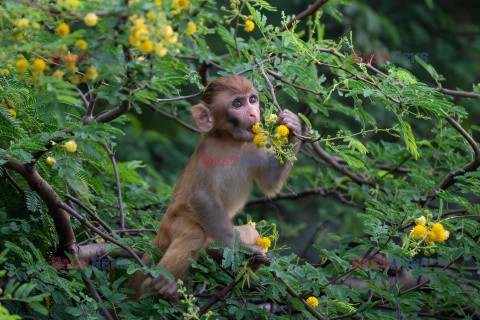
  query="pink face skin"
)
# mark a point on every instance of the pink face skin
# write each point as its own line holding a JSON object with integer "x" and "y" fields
{"x": 242, "y": 112}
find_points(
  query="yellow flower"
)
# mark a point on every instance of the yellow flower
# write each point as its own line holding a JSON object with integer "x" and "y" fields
{"x": 418, "y": 232}
{"x": 172, "y": 39}
{"x": 90, "y": 19}
{"x": 151, "y": 15}
{"x": 51, "y": 160}
{"x": 160, "y": 50}
{"x": 71, "y": 146}
{"x": 63, "y": 29}
{"x": 166, "y": 31}
{"x": 421, "y": 221}
{"x": 249, "y": 25}
{"x": 265, "y": 243}
{"x": 75, "y": 79}
{"x": 22, "y": 65}
{"x": 39, "y": 65}
{"x": 158, "y": 2}
{"x": 283, "y": 131}
{"x": 273, "y": 118}
{"x": 437, "y": 233}
{"x": 253, "y": 224}
{"x": 256, "y": 128}
{"x": 447, "y": 234}
{"x": 13, "y": 113}
{"x": 22, "y": 23}
{"x": 81, "y": 44}
{"x": 258, "y": 139}
{"x": 91, "y": 73}
{"x": 312, "y": 301}
{"x": 146, "y": 46}
{"x": 58, "y": 74}
{"x": 36, "y": 25}
{"x": 19, "y": 36}
{"x": 191, "y": 28}
{"x": 182, "y": 4}
{"x": 71, "y": 67}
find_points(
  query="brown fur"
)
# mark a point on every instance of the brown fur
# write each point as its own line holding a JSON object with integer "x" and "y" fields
{"x": 206, "y": 198}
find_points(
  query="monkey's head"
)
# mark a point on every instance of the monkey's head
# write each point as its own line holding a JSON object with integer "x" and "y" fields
{"x": 229, "y": 107}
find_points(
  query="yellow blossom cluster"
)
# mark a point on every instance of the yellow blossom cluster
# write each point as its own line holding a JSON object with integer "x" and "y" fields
{"x": 273, "y": 137}
{"x": 432, "y": 232}
{"x": 265, "y": 243}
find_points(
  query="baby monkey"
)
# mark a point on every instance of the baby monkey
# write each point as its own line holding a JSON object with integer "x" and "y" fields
{"x": 207, "y": 198}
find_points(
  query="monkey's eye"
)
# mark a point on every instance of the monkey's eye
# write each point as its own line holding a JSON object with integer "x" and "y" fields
{"x": 237, "y": 104}
{"x": 252, "y": 99}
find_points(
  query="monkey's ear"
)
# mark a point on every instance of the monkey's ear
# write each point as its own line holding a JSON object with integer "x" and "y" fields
{"x": 202, "y": 117}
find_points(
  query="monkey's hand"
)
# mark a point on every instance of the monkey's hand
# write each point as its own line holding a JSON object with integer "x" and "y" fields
{"x": 291, "y": 121}
{"x": 163, "y": 286}
{"x": 257, "y": 250}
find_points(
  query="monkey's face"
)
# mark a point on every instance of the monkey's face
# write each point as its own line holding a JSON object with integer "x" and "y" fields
{"x": 241, "y": 112}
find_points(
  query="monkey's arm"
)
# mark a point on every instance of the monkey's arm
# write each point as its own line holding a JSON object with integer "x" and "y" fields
{"x": 270, "y": 179}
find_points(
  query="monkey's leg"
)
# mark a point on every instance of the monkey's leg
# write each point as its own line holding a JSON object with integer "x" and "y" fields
{"x": 138, "y": 281}
{"x": 190, "y": 237}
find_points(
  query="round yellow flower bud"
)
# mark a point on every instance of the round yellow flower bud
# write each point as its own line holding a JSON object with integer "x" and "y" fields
{"x": 50, "y": 160}
{"x": 70, "y": 66}
{"x": 71, "y": 146}
{"x": 13, "y": 113}
{"x": 172, "y": 39}
{"x": 312, "y": 301}
{"x": 256, "y": 128}
{"x": 421, "y": 221}
{"x": 258, "y": 139}
{"x": 22, "y": 65}
{"x": 182, "y": 4}
{"x": 151, "y": 16}
{"x": 283, "y": 131}
{"x": 418, "y": 232}
{"x": 265, "y": 243}
{"x": 160, "y": 50}
{"x": 263, "y": 223}
{"x": 91, "y": 73}
{"x": 191, "y": 28}
{"x": 81, "y": 44}
{"x": 146, "y": 46}
{"x": 75, "y": 79}
{"x": 249, "y": 25}
{"x": 22, "y": 23}
{"x": 273, "y": 118}
{"x": 39, "y": 65}
{"x": 90, "y": 19}
{"x": 63, "y": 29}
{"x": 437, "y": 233}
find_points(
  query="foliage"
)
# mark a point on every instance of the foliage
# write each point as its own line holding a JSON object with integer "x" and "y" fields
{"x": 397, "y": 147}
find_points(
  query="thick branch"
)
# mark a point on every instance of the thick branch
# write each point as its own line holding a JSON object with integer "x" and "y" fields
{"x": 51, "y": 199}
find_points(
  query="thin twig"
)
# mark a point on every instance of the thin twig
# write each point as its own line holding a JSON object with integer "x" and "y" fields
{"x": 173, "y": 117}
{"x": 119, "y": 187}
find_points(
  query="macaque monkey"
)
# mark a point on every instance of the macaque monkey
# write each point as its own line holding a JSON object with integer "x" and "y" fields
{"x": 207, "y": 198}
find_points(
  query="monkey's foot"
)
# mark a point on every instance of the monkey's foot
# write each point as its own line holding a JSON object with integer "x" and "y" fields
{"x": 164, "y": 287}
